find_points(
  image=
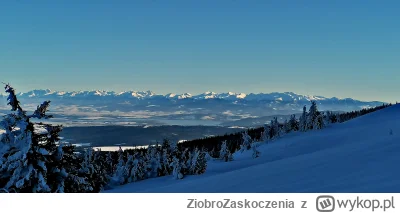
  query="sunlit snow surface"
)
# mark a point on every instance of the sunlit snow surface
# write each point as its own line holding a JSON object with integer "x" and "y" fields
{"x": 357, "y": 156}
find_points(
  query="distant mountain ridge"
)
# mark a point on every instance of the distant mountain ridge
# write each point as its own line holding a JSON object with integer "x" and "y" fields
{"x": 99, "y": 107}
{"x": 273, "y": 96}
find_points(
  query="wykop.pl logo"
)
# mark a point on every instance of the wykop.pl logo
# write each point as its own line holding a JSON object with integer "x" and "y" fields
{"x": 325, "y": 203}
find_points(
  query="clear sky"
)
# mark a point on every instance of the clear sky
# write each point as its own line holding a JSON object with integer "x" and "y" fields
{"x": 330, "y": 48}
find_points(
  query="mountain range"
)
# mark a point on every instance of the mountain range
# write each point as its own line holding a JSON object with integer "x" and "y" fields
{"x": 147, "y": 107}
{"x": 142, "y": 95}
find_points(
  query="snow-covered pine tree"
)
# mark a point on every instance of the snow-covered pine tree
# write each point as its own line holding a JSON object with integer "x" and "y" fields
{"x": 303, "y": 120}
{"x": 26, "y": 154}
{"x": 120, "y": 171}
{"x": 286, "y": 127}
{"x": 174, "y": 149}
{"x": 58, "y": 175}
{"x": 129, "y": 166}
{"x": 256, "y": 152}
{"x": 293, "y": 123}
{"x": 214, "y": 153}
{"x": 109, "y": 165}
{"x": 198, "y": 162}
{"x": 312, "y": 116}
{"x": 153, "y": 163}
{"x": 87, "y": 169}
{"x": 138, "y": 170}
{"x": 264, "y": 134}
{"x": 224, "y": 153}
{"x": 277, "y": 128}
{"x": 274, "y": 130}
{"x": 246, "y": 142}
{"x": 320, "y": 122}
{"x": 101, "y": 178}
{"x": 207, "y": 155}
{"x": 201, "y": 163}
{"x": 135, "y": 171}
{"x": 177, "y": 166}
{"x": 166, "y": 145}
{"x": 76, "y": 182}
{"x": 164, "y": 161}
{"x": 193, "y": 160}
{"x": 331, "y": 117}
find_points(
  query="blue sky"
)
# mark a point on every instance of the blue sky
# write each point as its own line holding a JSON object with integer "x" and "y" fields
{"x": 329, "y": 48}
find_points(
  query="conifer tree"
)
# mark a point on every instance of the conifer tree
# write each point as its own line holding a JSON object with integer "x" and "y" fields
{"x": 177, "y": 166}
{"x": 293, "y": 123}
{"x": 120, "y": 171}
{"x": 224, "y": 153}
{"x": 246, "y": 142}
{"x": 138, "y": 170}
{"x": 87, "y": 169}
{"x": 129, "y": 166}
{"x": 312, "y": 116}
{"x": 200, "y": 164}
{"x": 153, "y": 163}
{"x": 165, "y": 162}
{"x": 109, "y": 165}
{"x": 26, "y": 154}
{"x": 101, "y": 177}
{"x": 276, "y": 128}
{"x": 256, "y": 152}
{"x": 303, "y": 120}
{"x": 286, "y": 127}
{"x": 75, "y": 181}
{"x": 264, "y": 134}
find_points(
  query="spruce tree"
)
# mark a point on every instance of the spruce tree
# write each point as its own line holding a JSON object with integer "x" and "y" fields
{"x": 264, "y": 134}
{"x": 246, "y": 142}
{"x": 224, "y": 153}
{"x": 256, "y": 152}
{"x": 177, "y": 166}
{"x": 303, "y": 120}
{"x": 27, "y": 153}
{"x": 120, "y": 171}
{"x": 293, "y": 123}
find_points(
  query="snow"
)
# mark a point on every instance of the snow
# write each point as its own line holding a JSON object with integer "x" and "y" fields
{"x": 357, "y": 156}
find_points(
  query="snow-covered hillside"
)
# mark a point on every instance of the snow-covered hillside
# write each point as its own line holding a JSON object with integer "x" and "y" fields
{"x": 361, "y": 155}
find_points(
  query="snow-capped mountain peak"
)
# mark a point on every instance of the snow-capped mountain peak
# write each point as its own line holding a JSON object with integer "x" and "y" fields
{"x": 283, "y": 97}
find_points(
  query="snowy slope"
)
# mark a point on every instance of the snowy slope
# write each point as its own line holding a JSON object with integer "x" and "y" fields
{"x": 357, "y": 156}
